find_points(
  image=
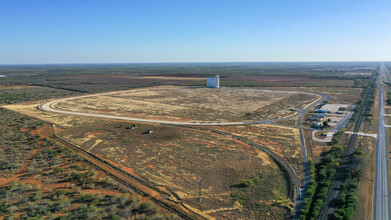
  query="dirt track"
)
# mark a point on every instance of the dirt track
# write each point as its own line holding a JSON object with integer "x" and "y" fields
{"x": 134, "y": 184}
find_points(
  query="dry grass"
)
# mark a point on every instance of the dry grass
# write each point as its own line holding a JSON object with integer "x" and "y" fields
{"x": 284, "y": 141}
{"x": 176, "y": 103}
{"x": 345, "y": 94}
{"x": 174, "y": 158}
{"x": 366, "y": 184}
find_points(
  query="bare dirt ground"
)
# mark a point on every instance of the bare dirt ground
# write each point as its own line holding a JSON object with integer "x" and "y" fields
{"x": 191, "y": 103}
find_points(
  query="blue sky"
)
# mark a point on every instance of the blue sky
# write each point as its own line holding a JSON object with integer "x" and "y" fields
{"x": 86, "y": 31}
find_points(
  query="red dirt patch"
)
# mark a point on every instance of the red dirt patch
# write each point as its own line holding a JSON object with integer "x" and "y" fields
{"x": 40, "y": 131}
{"x": 123, "y": 167}
{"x": 272, "y": 78}
{"x": 102, "y": 191}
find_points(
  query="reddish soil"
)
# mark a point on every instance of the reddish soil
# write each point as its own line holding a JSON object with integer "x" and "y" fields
{"x": 116, "y": 80}
{"x": 40, "y": 131}
{"x": 273, "y": 78}
{"x": 317, "y": 150}
{"x": 102, "y": 191}
{"x": 121, "y": 166}
{"x": 5, "y": 181}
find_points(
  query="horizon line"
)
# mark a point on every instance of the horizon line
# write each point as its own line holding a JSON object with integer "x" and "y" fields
{"x": 189, "y": 62}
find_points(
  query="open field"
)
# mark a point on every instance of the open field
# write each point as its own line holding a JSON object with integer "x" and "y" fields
{"x": 174, "y": 158}
{"x": 190, "y": 103}
{"x": 277, "y": 81}
{"x": 284, "y": 141}
{"x": 351, "y": 95}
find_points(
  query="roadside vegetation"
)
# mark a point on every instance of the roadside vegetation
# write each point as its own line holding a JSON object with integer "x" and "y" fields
{"x": 347, "y": 201}
{"x": 388, "y": 98}
{"x": 325, "y": 171}
{"x": 310, "y": 193}
{"x": 370, "y": 86}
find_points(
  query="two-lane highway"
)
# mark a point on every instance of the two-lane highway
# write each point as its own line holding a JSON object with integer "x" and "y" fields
{"x": 381, "y": 205}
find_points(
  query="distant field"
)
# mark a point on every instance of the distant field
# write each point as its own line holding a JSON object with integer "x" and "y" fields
{"x": 225, "y": 69}
{"x": 286, "y": 81}
{"x": 351, "y": 95}
{"x": 15, "y": 94}
{"x": 93, "y": 78}
{"x": 190, "y": 103}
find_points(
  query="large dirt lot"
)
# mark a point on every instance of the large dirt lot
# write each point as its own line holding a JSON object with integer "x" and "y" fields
{"x": 174, "y": 158}
{"x": 191, "y": 103}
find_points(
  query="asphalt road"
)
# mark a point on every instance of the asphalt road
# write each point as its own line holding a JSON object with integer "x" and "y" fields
{"x": 381, "y": 198}
{"x": 300, "y": 197}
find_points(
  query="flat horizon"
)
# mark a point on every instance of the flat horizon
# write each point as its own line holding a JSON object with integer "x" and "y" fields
{"x": 195, "y": 62}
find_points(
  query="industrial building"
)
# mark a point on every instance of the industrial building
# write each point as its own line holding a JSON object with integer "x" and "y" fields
{"x": 213, "y": 82}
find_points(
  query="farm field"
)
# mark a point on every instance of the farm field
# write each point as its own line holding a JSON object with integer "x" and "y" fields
{"x": 190, "y": 103}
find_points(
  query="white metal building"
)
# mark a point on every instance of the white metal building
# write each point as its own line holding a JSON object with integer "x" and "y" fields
{"x": 213, "y": 82}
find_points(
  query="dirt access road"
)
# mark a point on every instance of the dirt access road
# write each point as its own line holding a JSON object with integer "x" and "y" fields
{"x": 49, "y": 107}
